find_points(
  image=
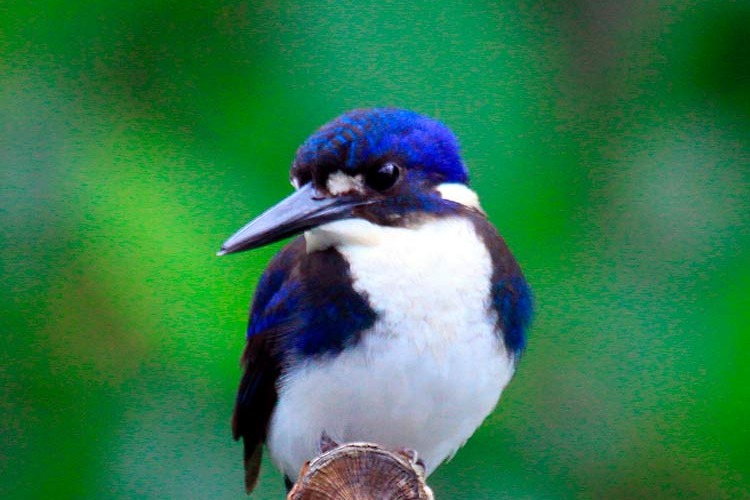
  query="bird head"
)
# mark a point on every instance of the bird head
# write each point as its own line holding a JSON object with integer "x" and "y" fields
{"x": 386, "y": 166}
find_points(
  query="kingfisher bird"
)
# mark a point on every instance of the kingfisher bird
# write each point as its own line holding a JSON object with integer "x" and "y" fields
{"x": 396, "y": 316}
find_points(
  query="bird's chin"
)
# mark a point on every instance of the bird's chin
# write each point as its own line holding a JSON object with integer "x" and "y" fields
{"x": 350, "y": 231}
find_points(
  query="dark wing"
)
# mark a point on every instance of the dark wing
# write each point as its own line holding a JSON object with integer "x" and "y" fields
{"x": 304, "y": 306}
{"x": 256, "y": 399}
{"x": 271, "y": 319}
{"x": 511, "y": 294}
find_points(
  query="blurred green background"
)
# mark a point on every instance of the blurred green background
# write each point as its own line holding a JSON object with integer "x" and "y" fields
{"x": 609, "y": 142}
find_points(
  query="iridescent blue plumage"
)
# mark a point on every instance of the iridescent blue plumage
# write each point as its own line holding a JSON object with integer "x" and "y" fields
{"x": 309, "y": 301}
{"x": 366, "y": 136}
{"x": 400, "y": 303}
{"x": 512, "y": 300}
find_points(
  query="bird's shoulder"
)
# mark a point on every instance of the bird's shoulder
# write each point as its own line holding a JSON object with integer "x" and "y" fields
{"x": 306, "y": 302}
{"x": 510, "y": 292}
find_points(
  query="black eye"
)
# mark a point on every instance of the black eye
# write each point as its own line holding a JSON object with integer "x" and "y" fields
{"x": 383, "y": 177}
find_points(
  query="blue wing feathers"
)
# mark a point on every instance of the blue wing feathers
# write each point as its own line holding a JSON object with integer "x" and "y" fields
{"x": 307, "y": 304}
{"x": 304, "y": 305}
{"x": 511, "y": 295}
{"x": 512, "y": 300}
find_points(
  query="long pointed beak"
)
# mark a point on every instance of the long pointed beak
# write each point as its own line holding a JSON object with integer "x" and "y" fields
{"x": 302, "y": 210}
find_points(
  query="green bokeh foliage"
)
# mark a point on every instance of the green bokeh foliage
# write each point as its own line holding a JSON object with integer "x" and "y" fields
{"x": 607, "y": 140}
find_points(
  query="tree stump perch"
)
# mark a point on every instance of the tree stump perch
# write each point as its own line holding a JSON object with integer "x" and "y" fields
{"x": 361, "y": 471}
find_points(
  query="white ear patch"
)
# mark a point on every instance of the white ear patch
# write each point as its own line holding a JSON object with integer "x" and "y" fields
{"x": 339, "y": 183}
{"x": 460, "y": 194}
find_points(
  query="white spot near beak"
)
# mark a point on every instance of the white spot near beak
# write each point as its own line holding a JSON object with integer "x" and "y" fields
{"x": 295, "y": 183}
{"x": 339, "y": 183}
